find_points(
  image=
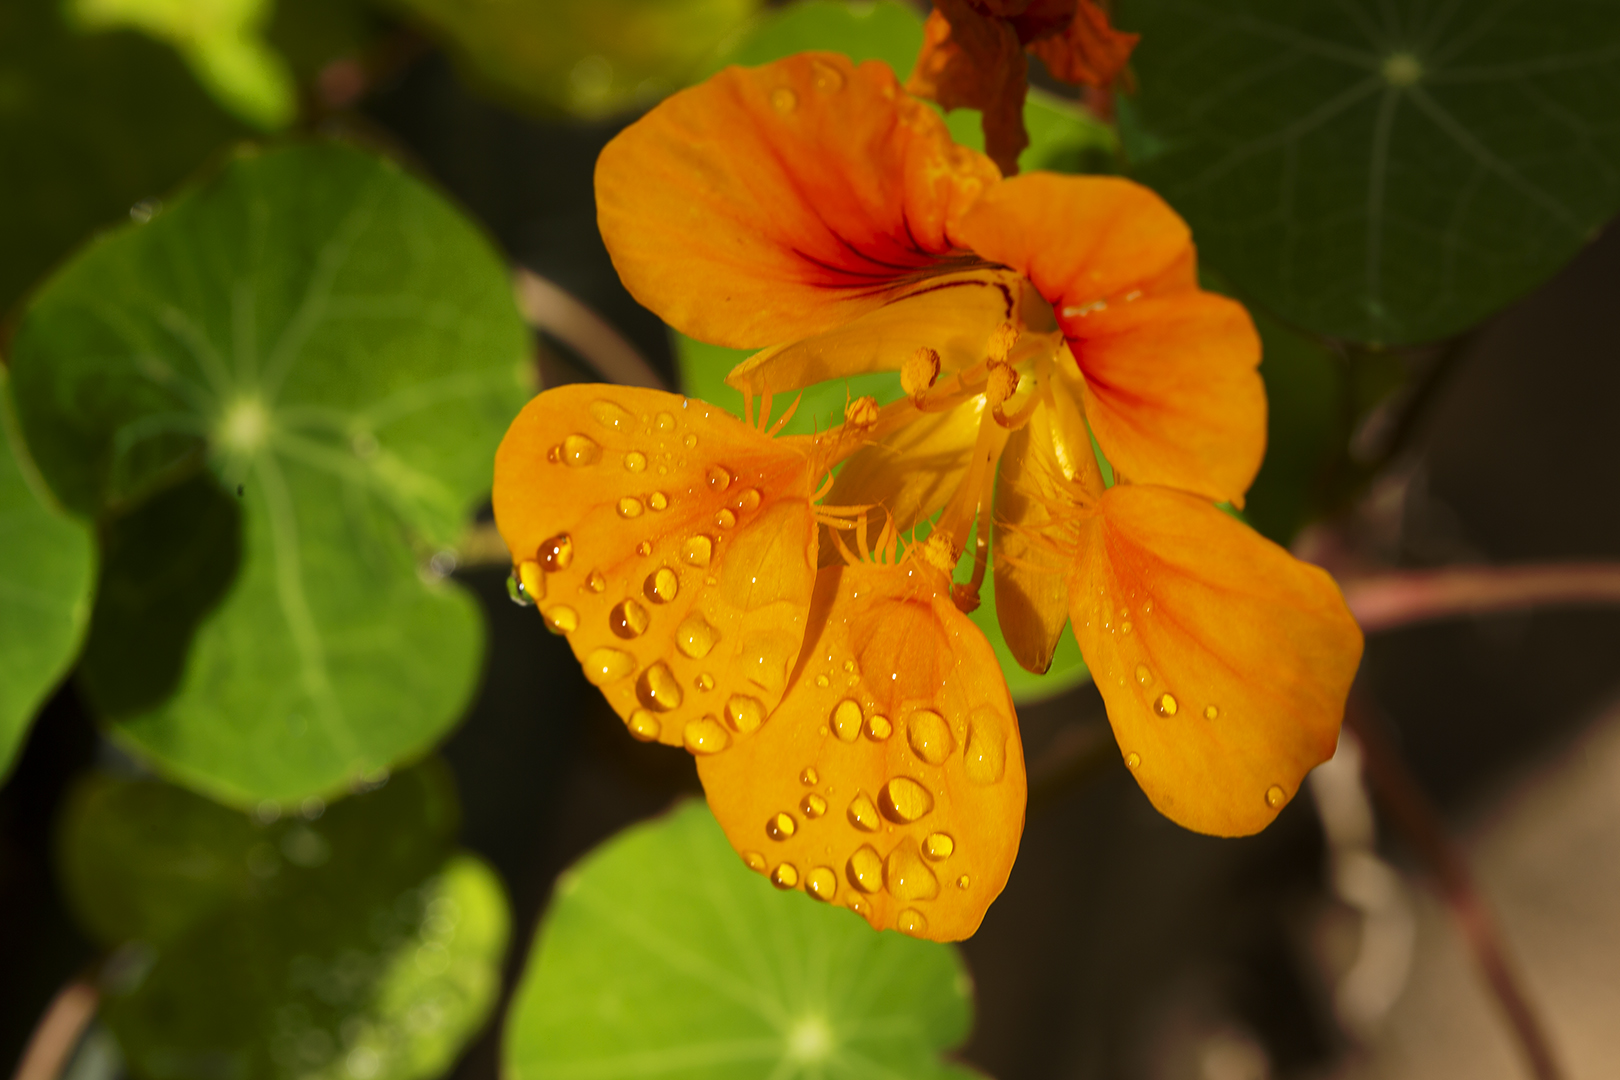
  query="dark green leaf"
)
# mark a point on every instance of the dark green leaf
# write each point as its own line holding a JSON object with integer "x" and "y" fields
{"x": 663, "y": 953}
{"x": 350, "y": 943}
{"x": 339, "y": 350}
{"x": 1384, "y": 172}
{"x": 47, "y": 565}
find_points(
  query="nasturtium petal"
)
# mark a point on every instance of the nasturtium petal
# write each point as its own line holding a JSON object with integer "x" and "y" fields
{"x": 672, "y": 543}
{"x": 663, "y": 955}
{"x": 891, "y": 778}
{"x": 1223, "y": 660}
{"x": 772, "y": 203}
{"x": 1171, "y": 390}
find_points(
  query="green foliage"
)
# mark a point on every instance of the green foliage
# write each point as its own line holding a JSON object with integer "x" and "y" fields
{"x": 47, "y": 564}
{"x": 1381, "y": 172}
{"x": 92, "y": 124}
{"x": 350, "y": 943}
{"x": 318, "y": 344}
{"x": 589, "y": 58}
{"x": 663, "y": 953}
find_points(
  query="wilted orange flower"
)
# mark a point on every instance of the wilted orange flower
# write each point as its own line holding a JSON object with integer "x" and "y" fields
{"x": 853, "y": 731}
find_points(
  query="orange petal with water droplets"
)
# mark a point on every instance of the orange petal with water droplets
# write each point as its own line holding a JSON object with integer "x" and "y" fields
{"x": 899, "y": 712}
{"x": 1171, "y": 392}
{"x": 1223, "y": 660}
{"x": 768, "y": 204}
{"x": 690, "y": 552}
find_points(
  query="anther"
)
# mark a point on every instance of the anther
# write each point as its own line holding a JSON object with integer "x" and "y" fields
{"x": 862, "y": 412}
{"x": 1000, "y": 343}
{"x": 919, "y": 371}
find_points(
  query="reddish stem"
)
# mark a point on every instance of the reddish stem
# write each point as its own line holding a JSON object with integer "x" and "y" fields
{"x": 58, "y": 1032}
{"x": 1402, "y": 598}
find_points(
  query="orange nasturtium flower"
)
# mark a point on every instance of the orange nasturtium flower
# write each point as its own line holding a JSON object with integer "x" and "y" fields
{"x": 851, "y": 726}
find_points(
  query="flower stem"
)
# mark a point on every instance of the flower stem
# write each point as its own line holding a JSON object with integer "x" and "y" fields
{"x": 58, "y": 1031}
{"x": 1403, "y": 598}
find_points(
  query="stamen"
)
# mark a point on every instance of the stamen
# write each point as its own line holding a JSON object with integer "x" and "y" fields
{"x": 919, "y": 372}
{"x": 862, "y": 413}
{"x": 782, "y": 423}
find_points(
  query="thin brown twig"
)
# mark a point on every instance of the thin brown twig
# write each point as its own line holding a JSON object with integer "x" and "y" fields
{"x": 58, "y": 1031}
{"x": 1411, "y": 812}
{"x": 547, "y": 307}
{"x": 1402, "y": 598}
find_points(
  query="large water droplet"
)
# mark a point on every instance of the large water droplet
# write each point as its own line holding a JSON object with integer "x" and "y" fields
{"x": 1165, "y": 705}
{"x": 658, "y": 688}
{"x": 695, "y": 637}
{"x": 863, "y": 813}
{"x": 556, "y": 553}
{"x": 813, "y": 806}
{"x": 533, "y": 579}
{"x": 821, "y": 883}
{"x": 1275, "y": 796}
{"x": 725, "y": 519}
{"x": 783, "y": 100}
{"x": 744, "y": 713}
{"x": 929, "y": 736}
{"x": 628, "y": 619}
{"x": 657, "y": 501}
{"x": 912, "y": 923}
{"x": 606, "y": 665}
{"x": 697, "y": 551}
{"x": 580, "y": 451}
{"x": 561, "y": 619}
{"x": 846, "y": 719}
{"x": 780, "y": 826}
{"x": 748, "y": 500}
{"x": 785, "y": 876}
{"x": 810, "y": 778}
{"x": 629, "y": 507}
{"x": 1133, "y": 760}
{"x": 984, "y": 759}
{"x": 635, "y": 462}
{"x": 907, "y": 876}
{"x": 938, "y": 846}
{"x": 754, "y": 861}
{"x": 661, "y": 585}
{"x": 865, "y": 869}
{"x": 613, "y": 416}
{"x": 705, "y": 736}
{"x": 878, "y": 727}
{"x": 719, "y": 479}
{"x": 903, "y": 800}
{"x": 644, "y": 725}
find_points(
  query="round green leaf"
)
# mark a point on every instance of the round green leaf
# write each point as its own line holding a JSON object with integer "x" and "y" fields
{"x": 1381, "y": 172}
{"x": 338, "y": 349}
{"x": 662, "y": 953}
{"x": 47, "y": 565}
{"x": 348, "y": 944}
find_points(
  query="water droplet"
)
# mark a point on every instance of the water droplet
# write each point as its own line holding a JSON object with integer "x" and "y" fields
{"x": 929, "y": 736}
{"x": 907, "y": 876}
{"x": 810, "y": 778}
{"x": 613, "y": 416}
{"x": 661, "y": 585}
{"x": 1132, "y": 760}
{"x": 561, "y": 619}
{"x": 849, "y": 666}
{"x": 644, "y": 548}
{"x": 718, "y": 479}
{"x": 635, "y": 461}
{"x": 704, "y": 682}
{"x": 1143, "y": 675}
{"x": 644, "y": 725}
{"x": 516, "y": 591}
{"x": 748, "y": 500}
{"x": 938, "y": 846}
{"x": 813, "y": 806}
{"x": 865, "y": 869}
{"x": 557, "y": 553}
{"x": 903, "y": 800}
{"x": 697, "y": 551}
{"x": 689, "y": 442}
{"x": 821, "y": 680}
{"x": 629, "y": 507}
{"x": 828, "y": 78}
{"x": 962, "y": 882}
{"x": 628, "y": 619}
{"x": 580, "y": 451}
{"x": 744, "y": 713}
{"x": 725, "y": 519}
{"x": 657, "y": 501}
{"x": 533, "y": 579}
{"x": 785, "y": 876}
{"x": 1211, "y": 712}
{"x": 665, "y": 423}
{"x": 554, "y": 455}
{"x": 863, "y": 814}
{"x": 705, "y": 736}
{"x": 783, "y": 100}
{"x": 1275, "y": 796}
{"x": 1165, "y": 705}
{"x": 606, "y": 665}
{"x": 754, "y": 861}
{"x": 596, "y": 582}
{"x": 780, "y": 826}
{"x": 658, "y": 688}
{"x": 695, "y": 637}
{"x": 1125, "y": 627}
{"x": 878, "y": 727}
{"x": 985, "y": 757}
{"x": 846, "y": 719}
{"x": 821, "y": 883}
{"x": 912, "y": 923}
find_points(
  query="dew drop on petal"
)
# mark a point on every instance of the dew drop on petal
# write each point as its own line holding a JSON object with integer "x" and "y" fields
{"x": 903, "y": 800}
{"x": 748, "y": 500}
{"x": 813, "y": 806}
{"x": 783, "y": 100}
{"x": 607, "y": 665}
{"x": 580, "y": 451}
{"x": 515, "y": 591}
{"x": 644, "y": 548}
{"x": 697, "y": 551}
{"x": 780, "y": 826}
{"x": 828, "y": 78}
{"x": 863, "y": 814}
{"x": 1275, "y": 796}
{"x": 785, "y": 876}
{"x": 560, "y": 619}
{"x": 1211, "y": 712}
{"x": 533, "y": 579}
{"x": 1165, "y": 705}
{"x": 658, "y": 688}
{"x": 635, "y": 461}
{"x": 821, "y": 883}
{"x": 907, "y": 877}
{"x": 644, "y": 725}
{"x": 704, "y": 681}
{"x": 596, "y": 582}
{"x": 661, "y": 585}
{"x": 865, "y": 869}
{"x": 657, "y": 501}
{"x": 612, "y": 416}
{"x": 878, "y": 727}
{"x": 912, "y": 923}
{"x": 695, "y": 637}
{"x": 705, "y": 736}
{"x": 629, "y": 507}
{"x": 689, "y": 442}
{"x": 1143, "y": 675}
{"x": 556, "y": 553}
{"x": 744, "y": 713}
{"x": 754, "y": 861}
{"x": 846, "y": 718}
{"x": 665, "y": 423}
{"x": 1125, "y": 627}
{"x": 821, "y": 680}
{"x": 628, "y": 619}
{"x": 1132, "y": 760}
{"x": 938, "y": 846}
{"x": 984, "y": 759}
{"x": 719, "y": 479}
{"x": 810, "y": 778}
{"x": 962, "y": 882}
{"x": 725, "y": 519}
{"x": 929, "y": 736}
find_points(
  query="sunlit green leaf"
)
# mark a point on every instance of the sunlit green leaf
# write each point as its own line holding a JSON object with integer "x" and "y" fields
{"x": 47, "y": 566}
{"x": 664, "y": 955}
{"x": 339, "y": 350}
{"x": 346, "y": 942}
{"x": 591, "y": 58}
{"x": 1385, "y": 172}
